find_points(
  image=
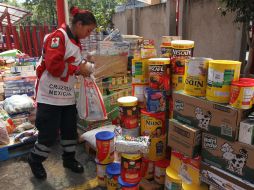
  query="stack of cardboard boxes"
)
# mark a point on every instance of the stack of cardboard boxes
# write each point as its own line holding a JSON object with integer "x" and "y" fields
{"x": 226, "y": 162}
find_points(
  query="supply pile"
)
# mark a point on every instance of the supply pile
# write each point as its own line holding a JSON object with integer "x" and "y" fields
{"x": 17, "y": 111}
{"x": 189, "y": 124}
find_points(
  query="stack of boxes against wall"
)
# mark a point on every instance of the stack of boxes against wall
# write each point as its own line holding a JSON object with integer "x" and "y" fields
{"x": 226, "y": 162}
{"x": 111, "y": 73}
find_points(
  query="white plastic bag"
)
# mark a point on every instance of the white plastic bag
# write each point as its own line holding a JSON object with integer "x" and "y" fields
{"x": 90, "y": 103}
{"x": 18, "y": 104}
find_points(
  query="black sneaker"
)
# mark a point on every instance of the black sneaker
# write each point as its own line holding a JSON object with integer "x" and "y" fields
{"x": 37, "y": 169}
{"x": 73, "y": 165}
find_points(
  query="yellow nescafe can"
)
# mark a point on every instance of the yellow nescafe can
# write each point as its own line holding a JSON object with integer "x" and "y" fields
{"x": 182, "y": 50}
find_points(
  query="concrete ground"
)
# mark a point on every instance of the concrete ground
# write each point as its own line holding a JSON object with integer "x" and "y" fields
{"x": 15, "y": 174}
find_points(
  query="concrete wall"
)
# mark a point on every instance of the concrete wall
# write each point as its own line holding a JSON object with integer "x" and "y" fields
{"x": 123, "y": 21}
{"x": 151, "y": 23}
{"x": 215, "y": 36}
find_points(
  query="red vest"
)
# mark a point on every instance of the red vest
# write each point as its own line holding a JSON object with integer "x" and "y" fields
{"x": 56, "y": 70}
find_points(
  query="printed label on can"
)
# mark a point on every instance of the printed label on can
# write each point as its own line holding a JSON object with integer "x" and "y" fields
{"x": 180, "y": 58}
{"x": 166, "y": 51}
{"x": 151, "y": 126}
{"x": 241, "y": 97}
{"x": 159, "y": 76}
{"x": 177, "y": 82}
{"x": 105, "y": 151}
{"x": 129, "y": 122}
{"x": 196, "y": 76}
{"x": 139, "y": 71}
{"x": 218, "y": 78}
{"x": 157, "y": 149}
{"x": 128, "y": 110}
{"x": 131, "y": 170}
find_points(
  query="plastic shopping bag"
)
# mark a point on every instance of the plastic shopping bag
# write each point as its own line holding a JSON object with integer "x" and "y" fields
{"x": 90, "y": 103}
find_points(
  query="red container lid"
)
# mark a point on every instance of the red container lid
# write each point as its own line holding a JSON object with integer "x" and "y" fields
{"x": 177, "y": 154}
{"x": 162, "y": 163}
{"x": 246, "y": 80}
{"x": 186, "y": 159}
{"x": 143, "y": 111}
{"x": 247, "y": 83}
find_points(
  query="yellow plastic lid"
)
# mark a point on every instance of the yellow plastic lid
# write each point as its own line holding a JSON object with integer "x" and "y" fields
{"x": 159, "y": 60}
{"x": 131, "y": 156}
{"x": 182, "y": 44}
{"x": 226, "y": 62}
{"x": 128, "y": 101}
{"x": 173, "y": 175}
{"x": 186, "y": 186}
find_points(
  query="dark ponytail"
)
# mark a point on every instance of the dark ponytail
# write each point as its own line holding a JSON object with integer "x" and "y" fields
{"x": 85, "y": 16}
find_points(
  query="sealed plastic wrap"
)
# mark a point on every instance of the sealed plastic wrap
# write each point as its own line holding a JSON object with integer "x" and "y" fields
{"x": 18, "y": 104}
{"x": 132, "y": 145}
{"x": 90, "y": 103}
{"x": 4, "y": 137}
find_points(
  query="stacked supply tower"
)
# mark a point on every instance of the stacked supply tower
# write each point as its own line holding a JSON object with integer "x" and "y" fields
{"x": 153, "y": 119}
{"x": 140, "y": 70}
{"x": 129, "y": 122}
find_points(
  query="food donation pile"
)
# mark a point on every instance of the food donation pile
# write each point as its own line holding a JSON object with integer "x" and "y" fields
{"x": 188, "y": 124}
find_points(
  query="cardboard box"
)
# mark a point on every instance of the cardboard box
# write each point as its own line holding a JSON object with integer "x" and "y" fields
{"x": 220, "y": 120}
{"x": 106, "y": 66}
{"x": 114, "y": 48}
{"x": 246, "y": 132}
{"x": 222, "y": 180}
{"x": 185, "y": 139}
{"x": 233, "y": 157}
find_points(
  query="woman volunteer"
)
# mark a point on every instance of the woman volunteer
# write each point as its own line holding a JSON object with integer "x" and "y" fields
{"x": 56, "y": 109}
